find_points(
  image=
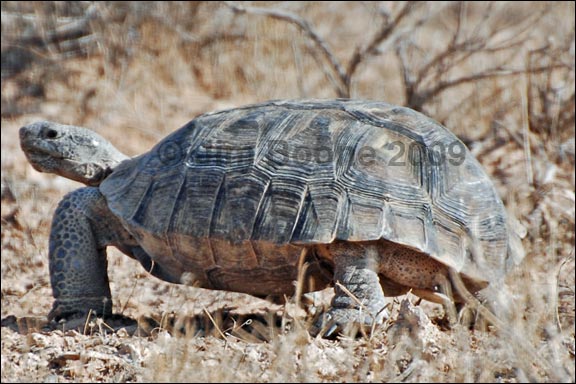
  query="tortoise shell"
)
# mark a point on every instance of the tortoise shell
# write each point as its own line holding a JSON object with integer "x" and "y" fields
{"x": 235, "y": 194}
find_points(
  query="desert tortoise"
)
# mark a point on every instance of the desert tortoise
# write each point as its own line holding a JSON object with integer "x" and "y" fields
{"x": 374, "y": 196}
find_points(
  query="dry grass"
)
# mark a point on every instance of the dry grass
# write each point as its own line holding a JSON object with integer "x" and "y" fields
{"x": 498, "y": 74}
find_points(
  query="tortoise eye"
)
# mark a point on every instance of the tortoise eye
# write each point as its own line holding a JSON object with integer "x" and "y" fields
{"x": 51, "y": 134}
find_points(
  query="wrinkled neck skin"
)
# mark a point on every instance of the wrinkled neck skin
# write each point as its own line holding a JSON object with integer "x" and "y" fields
{"x": 89, "y": 173}
{"x": 73, "y": 152}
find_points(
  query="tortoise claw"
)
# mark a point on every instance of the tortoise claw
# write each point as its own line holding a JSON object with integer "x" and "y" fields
{"x": 346, "y": 321}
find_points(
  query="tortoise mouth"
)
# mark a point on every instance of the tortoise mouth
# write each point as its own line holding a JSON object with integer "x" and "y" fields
{"x": 37, "y": 153}
{"x": 42, "y": 159}
{"x": 38, "y": 148}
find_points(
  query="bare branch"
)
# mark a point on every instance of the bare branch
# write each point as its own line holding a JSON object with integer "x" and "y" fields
{"x": 465, "y": 48}
{"x": 333, "y": 78}
{"x": 407, "y": 77}
{"x": 459, "y": 22}
{"x": 386, "y": 30}
{"x": 303, "y": 25}
{"x": 338, "y": 76}
{"x": 424, "y": 80}
{"x": 496, "y": 72}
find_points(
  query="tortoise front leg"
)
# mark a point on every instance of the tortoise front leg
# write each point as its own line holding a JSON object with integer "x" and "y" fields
{"x": 77, "y": 255}
{"x": 359, "y": 299}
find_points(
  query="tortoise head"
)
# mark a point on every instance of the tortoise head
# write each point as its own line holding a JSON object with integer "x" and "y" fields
{"x": 73, "y": 152}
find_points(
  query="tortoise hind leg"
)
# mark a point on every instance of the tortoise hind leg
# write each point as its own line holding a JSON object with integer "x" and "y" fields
{"x": 426, "y": 277}
{"x": 359, "y": 299}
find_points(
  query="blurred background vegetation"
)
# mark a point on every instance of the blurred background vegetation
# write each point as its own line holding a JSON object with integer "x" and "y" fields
{"x": 475, "y": 66}
{"x": 500, "y": 75}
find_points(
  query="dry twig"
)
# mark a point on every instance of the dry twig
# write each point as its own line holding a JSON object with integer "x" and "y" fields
{"x": 340, "y": 75}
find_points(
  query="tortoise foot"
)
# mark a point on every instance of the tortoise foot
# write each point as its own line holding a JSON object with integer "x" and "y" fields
{"x": 348, "y": 322}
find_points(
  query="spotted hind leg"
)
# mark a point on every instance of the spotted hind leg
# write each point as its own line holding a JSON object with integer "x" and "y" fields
{"x": 423, "y": 275}
{"x": 358, "y": 300}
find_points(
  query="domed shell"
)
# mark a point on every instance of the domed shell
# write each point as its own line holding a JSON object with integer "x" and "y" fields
{"x": 314, "y": 171}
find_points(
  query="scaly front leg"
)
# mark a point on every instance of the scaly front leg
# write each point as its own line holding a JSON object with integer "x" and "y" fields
{"x": 77, "y": 256}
